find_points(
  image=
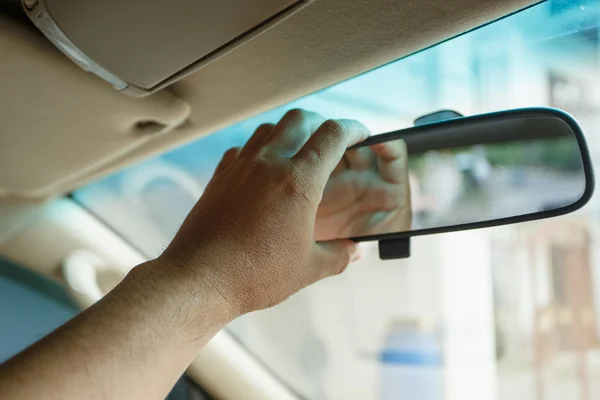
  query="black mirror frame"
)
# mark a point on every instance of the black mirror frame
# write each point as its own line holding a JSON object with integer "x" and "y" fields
{"x": 523, "y": 112}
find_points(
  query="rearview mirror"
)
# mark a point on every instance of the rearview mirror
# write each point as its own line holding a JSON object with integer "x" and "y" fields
{"x": 465, "y": 173}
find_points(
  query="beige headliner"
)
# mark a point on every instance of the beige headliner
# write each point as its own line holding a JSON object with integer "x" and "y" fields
{"x": 62, "y": 127}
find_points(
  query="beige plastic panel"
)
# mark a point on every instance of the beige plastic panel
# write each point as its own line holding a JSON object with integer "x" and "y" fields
{"x": 59, "y": 123}
{"x": 146, "y": 42}
{"x": 325, "y": 42}
{"x": 322, "y": 43}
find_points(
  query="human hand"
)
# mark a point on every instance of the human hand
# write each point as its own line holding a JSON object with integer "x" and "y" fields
{"x": 367, "y": 194}
{"x": 251, "y": 236}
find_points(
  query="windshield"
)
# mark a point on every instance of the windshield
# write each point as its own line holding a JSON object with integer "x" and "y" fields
{"x": 503, "y": 313}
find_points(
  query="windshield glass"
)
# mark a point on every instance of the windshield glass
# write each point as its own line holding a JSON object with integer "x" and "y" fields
{"x": 502, "y": 313}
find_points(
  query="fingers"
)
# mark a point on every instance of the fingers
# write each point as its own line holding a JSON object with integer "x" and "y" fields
{"x": 342, "y": 166}
{"x": 332, "y": 257}
{"x": 293, "y": 131}
{"x": 385, "y": 196}
{"x": 257, "y": 140}
{"x": 390, "y": 150}
{"x": 392, "y": 160}
{"x": 228, "y": 158}
{"x": 325, "y": 148}
{"x": 360, "y": 158}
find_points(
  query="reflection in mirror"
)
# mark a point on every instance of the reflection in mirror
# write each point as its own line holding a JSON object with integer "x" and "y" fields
{"x": 450, "y": 174}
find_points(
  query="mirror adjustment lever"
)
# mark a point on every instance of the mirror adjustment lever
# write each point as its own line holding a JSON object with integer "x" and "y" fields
{"x": 394, "y": 249}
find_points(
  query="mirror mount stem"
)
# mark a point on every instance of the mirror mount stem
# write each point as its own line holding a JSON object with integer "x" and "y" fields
{"x": 394, "y": 249}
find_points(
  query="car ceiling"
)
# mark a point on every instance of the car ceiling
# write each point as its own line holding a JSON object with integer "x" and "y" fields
{"x": 63, "y": 127}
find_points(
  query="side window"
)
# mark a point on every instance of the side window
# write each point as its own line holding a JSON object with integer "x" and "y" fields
{"x": 31, "y": 307}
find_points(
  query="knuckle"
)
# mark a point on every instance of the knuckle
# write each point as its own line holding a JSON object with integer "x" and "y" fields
{"x": 231, "y": 152}
{"x": 264, "y": 127}
{"x": 335, "y": 128}
{"x": 295, "y": 114}
{"x": 313, "y": 156}
{"x": 259, "y": 163}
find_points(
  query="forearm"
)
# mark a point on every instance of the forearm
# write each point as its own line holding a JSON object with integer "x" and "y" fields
{"x": 133, "y": 344}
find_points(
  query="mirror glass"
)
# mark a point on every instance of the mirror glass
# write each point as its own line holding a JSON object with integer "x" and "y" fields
{"x": 453, "y": 173}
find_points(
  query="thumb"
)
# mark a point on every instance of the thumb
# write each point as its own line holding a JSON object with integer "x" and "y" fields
{"x": 332, "y": 257}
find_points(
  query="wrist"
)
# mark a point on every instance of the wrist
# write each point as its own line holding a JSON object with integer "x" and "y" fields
{"x": 195, "y": 308}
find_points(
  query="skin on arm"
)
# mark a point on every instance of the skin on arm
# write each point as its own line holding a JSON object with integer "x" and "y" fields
{"x": 248, "y": 244}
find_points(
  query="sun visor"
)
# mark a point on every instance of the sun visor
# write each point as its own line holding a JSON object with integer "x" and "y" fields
{"x": 58, "y": 125}
{"x": 140, "y": 47}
